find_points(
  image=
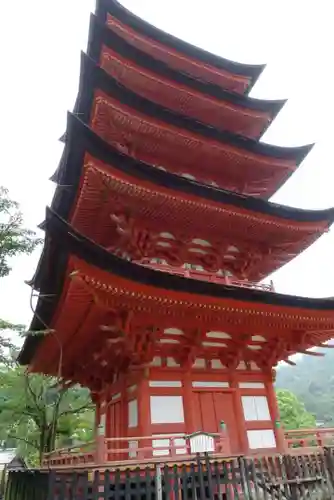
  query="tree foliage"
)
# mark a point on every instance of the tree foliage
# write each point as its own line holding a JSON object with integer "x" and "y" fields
{"x": 292, "y": 411}
{"x": 37, "y": 415}
{"x": 14, "y": 238}
{"x": 312, "y": 380}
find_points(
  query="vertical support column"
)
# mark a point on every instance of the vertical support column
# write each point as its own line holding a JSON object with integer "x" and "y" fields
{"x": 100, "y": 452}
{"x": 239, "y": 415}
{"x": 108, "y": 424}
{"x": 144, "y": 412}
{"x": 124, "y": 410}
{"x": 275, "y": 416}
{"x": 96, "y": 402}
{"x": 188, "y": 404}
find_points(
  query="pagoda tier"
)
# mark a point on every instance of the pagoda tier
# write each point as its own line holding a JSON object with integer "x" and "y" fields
{"x": 148, "y": 215}
{"x": 150, "y": 132}
{"x": 176, "y": 53}
{"x": 111, "y": 316}
{"x": 155, "y": 80}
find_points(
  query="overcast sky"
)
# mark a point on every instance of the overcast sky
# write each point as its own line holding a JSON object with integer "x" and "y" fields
{"x": 40, "y": 44}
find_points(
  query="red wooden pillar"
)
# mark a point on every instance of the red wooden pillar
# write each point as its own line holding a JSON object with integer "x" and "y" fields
{"x": 188, "y": 404}
{"x": 144, "y": 412}
{"x": 239, "y": 416}
{"x": 100, "y": 451}
{"x": 275, "y": 416}
{"x": 96, "y": 401}
{"x": 124, "y": 411}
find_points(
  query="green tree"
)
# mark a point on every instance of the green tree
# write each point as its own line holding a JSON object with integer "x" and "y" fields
{"x": 292, "y": 411}
{"x": 15, "y": 239}
{"x": 39, "y": 416}
{"x": 312, "y": 380}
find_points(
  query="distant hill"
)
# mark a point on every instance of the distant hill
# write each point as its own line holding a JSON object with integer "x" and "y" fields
{"x": 312, "y": 380}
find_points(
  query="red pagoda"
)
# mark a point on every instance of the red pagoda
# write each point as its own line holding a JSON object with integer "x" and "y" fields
{"x": 157, "y": 239}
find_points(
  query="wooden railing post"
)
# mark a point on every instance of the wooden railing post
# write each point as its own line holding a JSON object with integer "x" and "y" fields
{"x": 224, "y": 444}
{"x": 158, "y": 482}
{"x": 319, "y": 439}
{"x": 172, "y": 447}
{"x": 100, "y": 452}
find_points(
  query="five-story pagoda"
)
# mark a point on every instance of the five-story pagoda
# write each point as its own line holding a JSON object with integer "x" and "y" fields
{"x": 157, "y": 238}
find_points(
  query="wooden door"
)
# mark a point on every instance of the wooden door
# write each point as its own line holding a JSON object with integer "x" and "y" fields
{"x": 224, "y": 410}
{"x": 214, "y": 407}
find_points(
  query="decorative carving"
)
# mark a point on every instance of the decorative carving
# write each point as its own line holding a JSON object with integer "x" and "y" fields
{"x": 190, "y": 348}
{"x": 143, "y": 244}
{"x": 232, "y": 359}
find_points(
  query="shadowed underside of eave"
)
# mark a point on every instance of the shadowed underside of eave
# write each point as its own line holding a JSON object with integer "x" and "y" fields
{"x": 63, "y": 241}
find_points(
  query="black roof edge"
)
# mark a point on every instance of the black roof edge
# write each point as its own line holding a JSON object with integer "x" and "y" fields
{"x": 62, "y": 240}
{"x": 100, "y": 34}
{"x": 92, "y": 77}
{"x": 81, "y": 139}
{"x": 103, "y": 7}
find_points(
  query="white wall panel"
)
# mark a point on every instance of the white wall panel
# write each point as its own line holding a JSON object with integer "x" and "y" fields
{"x": 165, "y": 383}
{"x": 133, "y": 446}
{"x": 255, "y": 408}
{"x": 210, "y": 384}
{"x": 160, "y": 443}
{"x": 248, "y": 405}
{"x": 262, "y": 408}
{"x": 251, "y": 385}
{"x": 264, "y": 438}
{"x": 166, "y": 409}
{"x": 133, "y": 413}
{"x": 199, "y": 363}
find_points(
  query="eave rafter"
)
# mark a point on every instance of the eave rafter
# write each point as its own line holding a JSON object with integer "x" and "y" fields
{"x": 131, "y": 222}
{"x": 182, "y": 98}
{"x": 181, "y": 152}
{"x": 207, "y": 312}
{"x": 127, "y": 340}
{"x": 112, "y": 314}
{"x": 203, "y": 71}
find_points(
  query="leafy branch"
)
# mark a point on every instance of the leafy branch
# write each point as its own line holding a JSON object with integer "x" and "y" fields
{"x": 35, "y": 409}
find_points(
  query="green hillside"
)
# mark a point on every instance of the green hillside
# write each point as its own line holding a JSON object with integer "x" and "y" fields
{"x": 312, "y": 380}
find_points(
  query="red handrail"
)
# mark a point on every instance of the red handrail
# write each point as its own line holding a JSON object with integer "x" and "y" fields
{"x": 211, "y": 277}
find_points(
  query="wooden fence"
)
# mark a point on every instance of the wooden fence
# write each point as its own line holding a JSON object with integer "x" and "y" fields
{"x": 277, "y": 477}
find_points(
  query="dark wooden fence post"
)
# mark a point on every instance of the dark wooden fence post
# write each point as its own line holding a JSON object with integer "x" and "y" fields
{"x": 26, "y": 485}
{"x": 269, "y": 477}
{"x": 158, "y": 482}
{"x": 329, "y": 465}
{"x": 244, "y": 478}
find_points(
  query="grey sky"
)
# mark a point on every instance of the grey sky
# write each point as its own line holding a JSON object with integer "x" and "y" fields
{"x": 40, "y": 45}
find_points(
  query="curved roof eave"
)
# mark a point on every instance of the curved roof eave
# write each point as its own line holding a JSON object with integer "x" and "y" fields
{"x": 50, "y": 279}
{"x": 92, "y": 77}
{"x": 114, "y": 8}
{"x": 100, "y": 34}
{"x": 81, "y": 140}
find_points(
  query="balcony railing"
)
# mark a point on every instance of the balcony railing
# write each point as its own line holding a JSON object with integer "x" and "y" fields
{"x": 309, "y": 438}
{"x": 131, "y": 450}
{"x": 149, "y": 449}
{"x": 210, "y": 277}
